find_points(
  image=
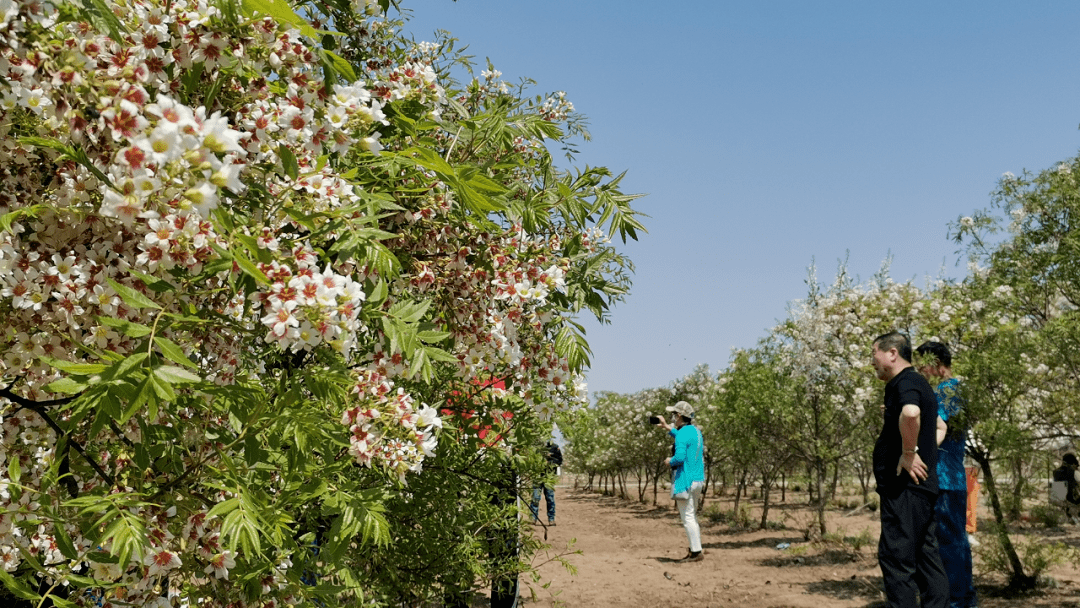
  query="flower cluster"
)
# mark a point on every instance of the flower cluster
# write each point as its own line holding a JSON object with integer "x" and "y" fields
{"x": 304, "y": 308}
{"x": 387, "y": 428}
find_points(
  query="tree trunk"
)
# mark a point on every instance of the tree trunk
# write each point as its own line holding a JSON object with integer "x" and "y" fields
{"x": 1018, "y": 580}
{"x": 819, "y": 483}
{"x": 739, "y": 487}
{"x": 835, "y": 480}
{"x": 783, "y": 487}
{"x": 766, "y": 486}
{"x": 1019, "y": 481}
{"x": 656, "y": 483}
{"x": 864, "y": 482}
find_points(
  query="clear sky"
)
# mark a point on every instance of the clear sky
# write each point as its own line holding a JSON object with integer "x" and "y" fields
{"x": 768, "y": 135}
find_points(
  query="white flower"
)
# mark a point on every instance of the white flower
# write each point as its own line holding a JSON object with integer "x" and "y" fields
{"x": 161, "y": 562}
{"x": 220, "y": 565}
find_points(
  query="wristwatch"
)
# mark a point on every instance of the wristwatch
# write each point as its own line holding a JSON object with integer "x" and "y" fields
{"x": 914, "y": 450}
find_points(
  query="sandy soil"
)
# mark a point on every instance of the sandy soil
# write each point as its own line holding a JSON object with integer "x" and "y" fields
{"x": 624, "y": 554}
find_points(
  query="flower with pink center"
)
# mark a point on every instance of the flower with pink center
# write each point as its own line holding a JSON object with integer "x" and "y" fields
{"x": 161, "y": 562}
{"x": 220, "y": 565}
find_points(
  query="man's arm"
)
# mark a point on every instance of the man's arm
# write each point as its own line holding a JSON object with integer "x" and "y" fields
{"x": 909, "y": 433}
{"x": 942, "y": 430}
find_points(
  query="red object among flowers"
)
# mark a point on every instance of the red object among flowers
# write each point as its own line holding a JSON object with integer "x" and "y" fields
{"x": 483, "y": 431}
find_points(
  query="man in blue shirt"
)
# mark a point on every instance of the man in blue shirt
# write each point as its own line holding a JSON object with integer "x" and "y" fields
{"x": 687, "y": 473}
{"x": 951, "y": 508}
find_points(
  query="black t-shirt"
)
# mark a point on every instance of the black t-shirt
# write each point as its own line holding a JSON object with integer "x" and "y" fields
{"x": 906, "y": 388}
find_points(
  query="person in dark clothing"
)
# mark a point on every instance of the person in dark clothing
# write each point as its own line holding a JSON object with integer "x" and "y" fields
{"x": 905, "y": 469}
{"x": 1068, "y": 472}
{"x": 554, "y": 460}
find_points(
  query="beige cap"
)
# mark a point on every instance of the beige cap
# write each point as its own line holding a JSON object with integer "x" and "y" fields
{"x": 682, "y": 408}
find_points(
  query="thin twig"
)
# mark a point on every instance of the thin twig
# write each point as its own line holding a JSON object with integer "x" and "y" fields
{"x": 452, "y": 143}
{"x": 75, "y": 444}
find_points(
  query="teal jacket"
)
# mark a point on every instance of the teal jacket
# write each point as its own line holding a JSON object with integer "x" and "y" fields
{"x": 688, "y": 463}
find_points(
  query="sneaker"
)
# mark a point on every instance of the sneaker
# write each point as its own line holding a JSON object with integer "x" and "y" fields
{"x": 690, "y": 557}
{"x": 551, "y": 524}
{"x": 974, "y": 542}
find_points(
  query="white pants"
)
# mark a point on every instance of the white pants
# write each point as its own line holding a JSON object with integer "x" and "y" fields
{"x": 687, "y": 504}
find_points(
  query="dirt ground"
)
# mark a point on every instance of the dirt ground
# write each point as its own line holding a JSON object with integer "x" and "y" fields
{"x": 626, "y": 552}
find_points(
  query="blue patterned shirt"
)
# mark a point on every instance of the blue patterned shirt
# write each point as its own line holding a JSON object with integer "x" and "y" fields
{"x": 951, "y": 451}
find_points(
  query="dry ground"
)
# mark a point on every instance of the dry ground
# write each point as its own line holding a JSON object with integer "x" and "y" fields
{"x": 627, "y": 551}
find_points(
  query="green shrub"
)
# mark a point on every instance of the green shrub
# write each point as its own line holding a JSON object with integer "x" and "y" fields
{"x": 1036, "y": 556}
{"x": 1047, "y": 515}
{"x": 864, "y": 539}
{"x": 715, "y": 514}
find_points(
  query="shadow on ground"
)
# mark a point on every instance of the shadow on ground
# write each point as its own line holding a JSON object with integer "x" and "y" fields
{"x": 830, "y": 557}
{"x": 769, "y": 542}
{"x": 854, "y": 588}
{"x": 632, "y": 507}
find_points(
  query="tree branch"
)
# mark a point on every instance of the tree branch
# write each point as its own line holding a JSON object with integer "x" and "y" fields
{"x": 39, "y": 409}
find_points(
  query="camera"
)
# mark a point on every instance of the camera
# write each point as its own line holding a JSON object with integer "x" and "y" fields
{"x": 654, "y": 419}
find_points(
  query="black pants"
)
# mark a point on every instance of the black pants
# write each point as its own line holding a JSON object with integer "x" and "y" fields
{"x": 908, "y": 551}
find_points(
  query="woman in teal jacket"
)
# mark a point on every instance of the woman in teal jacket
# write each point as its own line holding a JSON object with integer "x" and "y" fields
{"x": 687, "y": 473}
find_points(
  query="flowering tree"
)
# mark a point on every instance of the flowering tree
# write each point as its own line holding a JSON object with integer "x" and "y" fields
{"x": 1018, "y": 334}
{"x": 248, "y": 251}
{"x": 746, "y": 422}
{"x": 616, "y": 441}
{"x": 824, "y": 346}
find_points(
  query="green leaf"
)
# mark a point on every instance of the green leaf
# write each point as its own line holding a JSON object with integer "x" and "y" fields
{"x": 46, "y": 142}
{"x": 437, "y": 354}
{"x": 17, "y": 587}
{"x": 249, "y": 268}
{"x": 162, "y": 389}
{"x": 173, "y": 352}
{"x": 14, "y": 471}
{"x": 152, "y": 282}
{"x": 121, "y": 369}
{"x": 176, "y": 375}
{"x": 127, "y": 533}
{"x": 432, "y": 336}
{"x": 132, "y": 297}
{"x": 8, "y": 219}
{"x": 79, "y": 156}
{"x": 191, "y": 79}
{"x": 283, "y": 13}
{"x": 65, "y": 386}
{"x": 63, "y": 542}
{"x": 146, "y": 390}
{"x": 486, "y": 184}
{"x": 214, "y": 89}
{"x": 288, "y": 162}
{"x": 339, "y": 64}
{"x": 223, "y": 507}
{"x": 378, "y": 294}
{"x": 100, "y": 14}
{"x": 79, "y": 369}
{"x": 128, "y": 328}
{"x": 409, "y": 312}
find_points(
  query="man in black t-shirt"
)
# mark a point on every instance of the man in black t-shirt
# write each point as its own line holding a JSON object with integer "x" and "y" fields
{"x": 905, "y": 468}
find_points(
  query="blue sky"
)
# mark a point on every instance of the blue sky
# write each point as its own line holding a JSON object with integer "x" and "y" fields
{"x": 769, "y": 135}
